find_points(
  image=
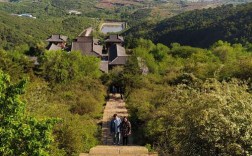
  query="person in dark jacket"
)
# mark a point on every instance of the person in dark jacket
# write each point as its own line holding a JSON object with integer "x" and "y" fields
{"x": 125, "y": 127}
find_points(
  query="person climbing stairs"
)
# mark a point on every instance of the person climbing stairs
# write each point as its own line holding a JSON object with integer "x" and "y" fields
{"x": 115, "y": 105}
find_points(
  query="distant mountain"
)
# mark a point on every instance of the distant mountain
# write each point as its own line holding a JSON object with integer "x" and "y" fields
{"x": 200, "y": 28}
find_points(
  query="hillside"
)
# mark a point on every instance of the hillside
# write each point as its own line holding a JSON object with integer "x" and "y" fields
{"x": 200, "y": 28}
{"x": 181, "y": 100}
{"x": 16, "y": 30}
{"x": 108, "y": 9}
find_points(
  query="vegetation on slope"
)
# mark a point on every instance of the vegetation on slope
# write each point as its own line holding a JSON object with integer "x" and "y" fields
{"x": 200, "y": 28}
{"x": 16, "y": 31}
{"x": 43, "y": 8}
{"x": 64, "y": 86}
{"x": 193, "y": 101}
{"x": 21, "y": 134}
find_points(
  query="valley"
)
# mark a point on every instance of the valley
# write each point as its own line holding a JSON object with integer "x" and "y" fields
{"x": 180, "y": 70}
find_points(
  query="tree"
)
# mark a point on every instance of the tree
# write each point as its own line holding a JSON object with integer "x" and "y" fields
{"x": 21, "y": 134}
{"x": 210, "y": 118}
{"x": 15, "y": 64}
{"x": 60, "y": 66}
{"x": 218, "y": 120}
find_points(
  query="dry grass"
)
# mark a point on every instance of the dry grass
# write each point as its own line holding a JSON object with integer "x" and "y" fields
{"x": 108, "y": 4}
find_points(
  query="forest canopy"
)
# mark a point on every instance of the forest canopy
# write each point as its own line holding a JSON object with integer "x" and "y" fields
{"x": 187, "y": 86}
{"x": 199, "y": 28}
{"x": 65, "y": 86}
{"x": 193, "y": 101}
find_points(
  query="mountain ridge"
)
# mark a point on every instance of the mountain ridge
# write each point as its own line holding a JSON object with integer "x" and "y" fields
{"x": 200, "y": 27}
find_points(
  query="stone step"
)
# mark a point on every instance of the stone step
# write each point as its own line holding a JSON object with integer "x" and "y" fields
{"x": 109, "y": 150}
{"x": 115, "y": 155}
{"x": 84, "y": 154}
{"x": 150, "y": 154}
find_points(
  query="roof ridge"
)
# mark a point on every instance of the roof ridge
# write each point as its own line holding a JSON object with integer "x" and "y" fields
{"x": 113, "y": 60}
{"x": 116, "y": 59}
{"x": 119, "y": 48}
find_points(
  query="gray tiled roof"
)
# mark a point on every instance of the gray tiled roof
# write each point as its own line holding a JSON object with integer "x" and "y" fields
{"x": 87, "y": 39}
{"x": 86, "y": 45}
{"x": 98, "y": 49}
{"x": 115, "y": 38}
{"x": 84, "y": 48}
{"x": 120, "y": 60}
{"x": 54, "y": 47}
{"x": 116, "y": 50}
{"x": 120, "y": 50}
{"x": 117, "y": 55}
{"x": 104, "y": 66}
{"x": 57, "y": 38}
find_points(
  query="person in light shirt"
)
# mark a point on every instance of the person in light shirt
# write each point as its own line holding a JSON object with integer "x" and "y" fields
{"x": 115, "y": 129}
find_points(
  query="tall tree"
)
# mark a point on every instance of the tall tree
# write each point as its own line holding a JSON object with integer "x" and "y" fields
{"x": 19, "y": 133}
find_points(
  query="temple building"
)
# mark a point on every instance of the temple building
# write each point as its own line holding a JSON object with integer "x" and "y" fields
{"x": 87, "y": 46}
{"x": 112, "y": 53}
{"x": 56, "y": 42}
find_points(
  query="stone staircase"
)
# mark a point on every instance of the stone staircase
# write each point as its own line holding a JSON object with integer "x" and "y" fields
{"x": 117, "y": 151}
{"x": 115, "y": 105}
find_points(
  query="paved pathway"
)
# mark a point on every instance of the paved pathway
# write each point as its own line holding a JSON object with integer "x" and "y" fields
{"x": 118, "y": 151}
{"x": 115, "y": 105}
